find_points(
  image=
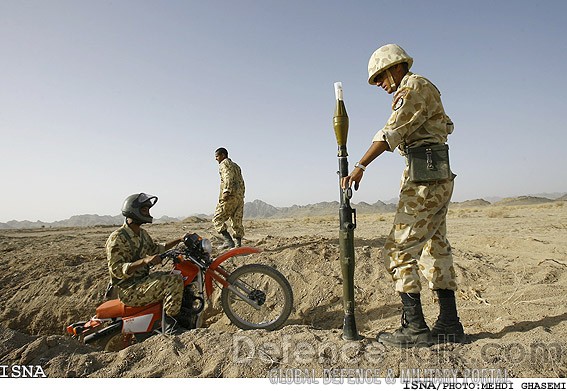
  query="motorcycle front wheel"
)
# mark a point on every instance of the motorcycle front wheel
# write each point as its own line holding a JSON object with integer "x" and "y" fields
{"x": 267, "y": 288}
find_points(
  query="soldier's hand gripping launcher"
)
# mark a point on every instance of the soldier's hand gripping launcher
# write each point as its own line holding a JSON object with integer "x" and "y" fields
{"x": 347, "y": 218}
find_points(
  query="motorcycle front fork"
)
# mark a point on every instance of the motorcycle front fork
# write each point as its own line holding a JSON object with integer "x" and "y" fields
{"x": 200, "y": 287}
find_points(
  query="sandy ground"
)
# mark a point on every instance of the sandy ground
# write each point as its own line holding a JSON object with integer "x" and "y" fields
{"x": 511, "y": 264}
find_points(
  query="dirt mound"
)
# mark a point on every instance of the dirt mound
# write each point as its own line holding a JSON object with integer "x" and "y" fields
{"x": 512, "y": 283}
{"x": 194, "y": 220}
{"x": 470, "y": 203}
{"x": 523, "y": 200}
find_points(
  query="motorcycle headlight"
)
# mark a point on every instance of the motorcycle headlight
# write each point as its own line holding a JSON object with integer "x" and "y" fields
{"x": 206, "y": 245}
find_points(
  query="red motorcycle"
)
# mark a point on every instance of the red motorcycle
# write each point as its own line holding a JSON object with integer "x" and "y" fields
{"x": 253, "y": 297}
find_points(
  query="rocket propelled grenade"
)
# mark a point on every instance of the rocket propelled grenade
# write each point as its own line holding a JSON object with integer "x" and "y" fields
{"x": 340, "y": 120}
{"x": 347, "y": 218}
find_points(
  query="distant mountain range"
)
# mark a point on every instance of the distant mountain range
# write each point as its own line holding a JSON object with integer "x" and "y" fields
{"x": 77, "y": 221}
{"x": 258, "y": 209}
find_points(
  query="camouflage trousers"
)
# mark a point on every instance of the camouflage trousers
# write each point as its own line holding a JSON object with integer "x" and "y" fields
{"x": 418, "y": 238}
{"x": 233, "y": 210}
{"x": 158, "y": 286}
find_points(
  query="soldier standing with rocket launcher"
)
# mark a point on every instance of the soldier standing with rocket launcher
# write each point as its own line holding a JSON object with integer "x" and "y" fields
{"x": 418, "y": 126}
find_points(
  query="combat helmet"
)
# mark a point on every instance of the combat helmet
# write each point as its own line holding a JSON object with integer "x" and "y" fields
{"x": 133, "y": 204}
{"x": 384, "y": 57}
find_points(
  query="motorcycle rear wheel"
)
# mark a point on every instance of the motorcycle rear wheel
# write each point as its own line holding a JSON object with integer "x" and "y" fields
{"x": 115, "y": 342}
{"x": 264, "y": 285}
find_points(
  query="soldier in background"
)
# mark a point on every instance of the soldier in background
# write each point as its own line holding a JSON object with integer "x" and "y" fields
{"x": 131, "y": 252}
{"x": 417, "y": 240}
{"x": 231, "y": 201}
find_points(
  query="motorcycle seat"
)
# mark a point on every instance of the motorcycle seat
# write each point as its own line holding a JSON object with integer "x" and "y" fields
{"x": 116, "y": 309}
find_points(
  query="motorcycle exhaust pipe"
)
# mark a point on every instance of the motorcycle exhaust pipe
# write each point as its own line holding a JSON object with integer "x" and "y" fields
{"x": 104, "y": 332}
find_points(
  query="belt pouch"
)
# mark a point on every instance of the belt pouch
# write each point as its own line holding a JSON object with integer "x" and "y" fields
{"x": 429, "y": 163}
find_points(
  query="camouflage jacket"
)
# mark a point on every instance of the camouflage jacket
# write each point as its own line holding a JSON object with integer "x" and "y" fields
{"x": 418, "y": 117}
{"x": 123, "y": 247}
{"x": 231, "y": 180}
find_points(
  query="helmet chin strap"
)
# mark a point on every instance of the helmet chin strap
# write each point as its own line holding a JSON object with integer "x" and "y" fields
{"x": 391, "y": 79}
{"x": 130, "y": 221}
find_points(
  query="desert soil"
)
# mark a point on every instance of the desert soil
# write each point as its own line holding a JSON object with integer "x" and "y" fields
{"x": 511, "y": 265}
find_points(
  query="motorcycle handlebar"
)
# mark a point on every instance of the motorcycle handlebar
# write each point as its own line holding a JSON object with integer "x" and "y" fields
{"x": 173, "y": 253}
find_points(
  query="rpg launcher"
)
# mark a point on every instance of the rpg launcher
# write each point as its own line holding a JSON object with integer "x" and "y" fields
{"x": 347, "y": 218}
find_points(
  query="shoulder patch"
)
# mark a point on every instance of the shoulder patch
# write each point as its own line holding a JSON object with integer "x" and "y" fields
{"x": 398, "y": 104}
{"x": 399, "y": 98}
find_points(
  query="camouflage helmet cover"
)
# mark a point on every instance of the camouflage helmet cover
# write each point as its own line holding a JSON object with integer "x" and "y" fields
{"x": 385, "y": 57}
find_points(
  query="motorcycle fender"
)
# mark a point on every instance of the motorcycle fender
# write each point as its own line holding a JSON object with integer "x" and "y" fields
{"x": 81, "y": 328}
{"x": 137, "y": 324}
{"x": 92, "y": 323}
{"x": 222, "y": 258}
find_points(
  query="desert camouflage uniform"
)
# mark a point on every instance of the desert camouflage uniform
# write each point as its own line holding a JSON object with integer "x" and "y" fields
{"x": 418, "y": 237}
{"x": 140, "y": 287}
{"x": 233, "y": 208}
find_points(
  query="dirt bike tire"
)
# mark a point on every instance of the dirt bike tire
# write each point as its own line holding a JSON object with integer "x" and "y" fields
{"x": 260, "y": 270}
{"x": 115, "y": 341}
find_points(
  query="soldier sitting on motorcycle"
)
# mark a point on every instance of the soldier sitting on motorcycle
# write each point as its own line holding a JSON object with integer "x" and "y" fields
{"x": 131, "y": 252}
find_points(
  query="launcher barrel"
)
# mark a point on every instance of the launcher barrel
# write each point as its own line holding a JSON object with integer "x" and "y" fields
{"x": 347, "y": 218}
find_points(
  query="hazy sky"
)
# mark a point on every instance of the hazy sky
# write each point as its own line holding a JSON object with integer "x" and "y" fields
{"x": 102, "y": 99}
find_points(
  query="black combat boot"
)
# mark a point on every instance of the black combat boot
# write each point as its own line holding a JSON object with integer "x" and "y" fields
{"x": 447, "y": 328}
{"x": 172, "y": 326}
{"x": 175, "y": 325}
{"x": 238, "y": 242}
{"x": 228, "y": 242}
{"x": 414, "y": 331}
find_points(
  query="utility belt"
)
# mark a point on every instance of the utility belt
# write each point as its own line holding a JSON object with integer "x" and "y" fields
{"x": 429, "y": 163}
